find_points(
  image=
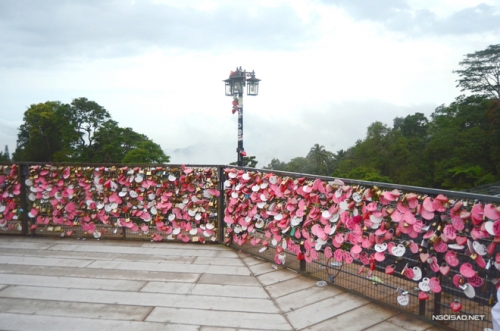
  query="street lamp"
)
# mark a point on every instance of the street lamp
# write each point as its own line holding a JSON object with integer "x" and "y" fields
{"x": 234, "y": 86}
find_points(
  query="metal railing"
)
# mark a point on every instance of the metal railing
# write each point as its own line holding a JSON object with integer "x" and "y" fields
{"x": 368, "y": 277}
{"x": 114, "y": 201}
{"x": 257, "y": 211}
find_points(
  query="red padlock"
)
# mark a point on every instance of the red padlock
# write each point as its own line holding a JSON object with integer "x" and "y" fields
{"x": 491, "y": 248}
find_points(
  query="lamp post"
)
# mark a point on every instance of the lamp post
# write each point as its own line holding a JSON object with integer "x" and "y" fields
{"x": 235, "y": 85}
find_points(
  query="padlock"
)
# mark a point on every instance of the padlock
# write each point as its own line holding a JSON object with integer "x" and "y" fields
{"x": 404, "y": 269}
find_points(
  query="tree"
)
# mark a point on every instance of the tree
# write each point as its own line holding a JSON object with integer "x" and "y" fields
{"x": 319, "y": 156}
{"x": 276, "y": 164}
{"x": 5, "y": 156}
{"x": 368, "y": 174}
{"x": 146, "y": 152}
{"x": 300, "y": 165}
{"x": 113, "y": 144}
{"x": 481, "y": 73}
{"x": 461, "y": 147}
{"x": 86, "y": 118}
{"x": 414, "y": 125}
{"x": 45, "y": 134}
{"x": 81, "y": 132}
{"x": 248, "y": 161}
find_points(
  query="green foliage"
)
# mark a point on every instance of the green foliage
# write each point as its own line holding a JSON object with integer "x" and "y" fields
{"x": 463, "y": 177}
{"x": 5, "y": 155}
{"x": 321, "y": 159}
{"x": 45, "y": 134}
{"x": 276, "y": 164}
{"x": 300, "y": 165}
{"x": 248, "y": 161}
{"x": 481, "y": 73}
{"x": 81, "y": 132}
{"x": 368, "y": 174}
{"x": 146, "y": 152}
{"x": 457, "y": 149}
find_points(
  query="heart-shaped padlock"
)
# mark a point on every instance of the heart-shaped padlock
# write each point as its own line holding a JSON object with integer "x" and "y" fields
{"x": 455, "y": 305}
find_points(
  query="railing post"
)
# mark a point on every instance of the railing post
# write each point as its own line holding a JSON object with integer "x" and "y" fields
{"x": 437, "y": 303}
{"x": 421, "y": 307}
{"x": 302, "y": 262}
{"x": 220, "y": 204}
{"x": 124, "y": 232}
{"x": 23, "y": 172}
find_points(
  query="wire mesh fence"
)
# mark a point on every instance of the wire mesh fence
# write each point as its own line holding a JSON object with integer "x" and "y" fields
{"x": 428, "y": 273}
{"x": 428, "y": 252}
{"x": 142, "y": 202}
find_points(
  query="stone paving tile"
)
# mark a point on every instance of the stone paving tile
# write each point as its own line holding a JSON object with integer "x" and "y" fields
{"x": 409, "y": 323}
{"x": 228, "y": 270}
{"x": 229, "y": 280}
{"x": 44, "y": 261}
{"x": 169, "y": 267}
{"x": 220, "y": 319}
{"x": 252, "y": 260}
{"x": 141, "y": 299}
{"x": 261, "y": 268}
{"x": 298, "y": 299}
{"x": 145, "y": 251}
{"x": 21, "y": 322}
{"x": 356, "y": 319}
{"x": 276, "y": 276}
{"x": 436, "y": 328}
{"x": 218, "y": 328}
{"x": 74, "y": 309}
{"x": 103, "y": 273}
{"x": 385, "y": 326}
{"x": 289, "y": 286}
{"x": 219, "y": 261}
{"x": 230, "y": 291}
{"x": 323, "y": 310}
{"x": 99, "y": 256}
{"x": 24, "y": 244}
{"x": 166, "y": 287}
{"x": 197, "y": 284}
{"x": 207, "y": 289}
{"x": 72, "y": 282}
{"x": 50, "y": 241}
{"x": 190, "y": 246}
{"x": 241, "y": 254}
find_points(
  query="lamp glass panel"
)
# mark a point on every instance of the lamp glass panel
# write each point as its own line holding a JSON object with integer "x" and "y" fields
{"x": 228, "y": 89}
{"x": 236, "y": 87}
{"x": 253, "y": 89}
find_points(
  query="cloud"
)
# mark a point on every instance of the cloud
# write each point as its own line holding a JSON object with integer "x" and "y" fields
{"x": 8, "y": 134}
{"x": 336, "y": 126}
{"x": 58, "y": 30}
{"x": 398, "y": 15}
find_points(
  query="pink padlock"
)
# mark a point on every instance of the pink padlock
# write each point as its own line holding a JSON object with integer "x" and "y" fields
{"x": 371, "y": 238}
{"x": 491, "y": 248}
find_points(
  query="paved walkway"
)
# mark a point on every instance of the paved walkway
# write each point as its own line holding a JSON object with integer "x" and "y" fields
{"x": 69, "y": 284}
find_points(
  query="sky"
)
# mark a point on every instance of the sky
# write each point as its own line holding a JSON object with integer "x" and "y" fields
{"x": 329, "y": 68}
